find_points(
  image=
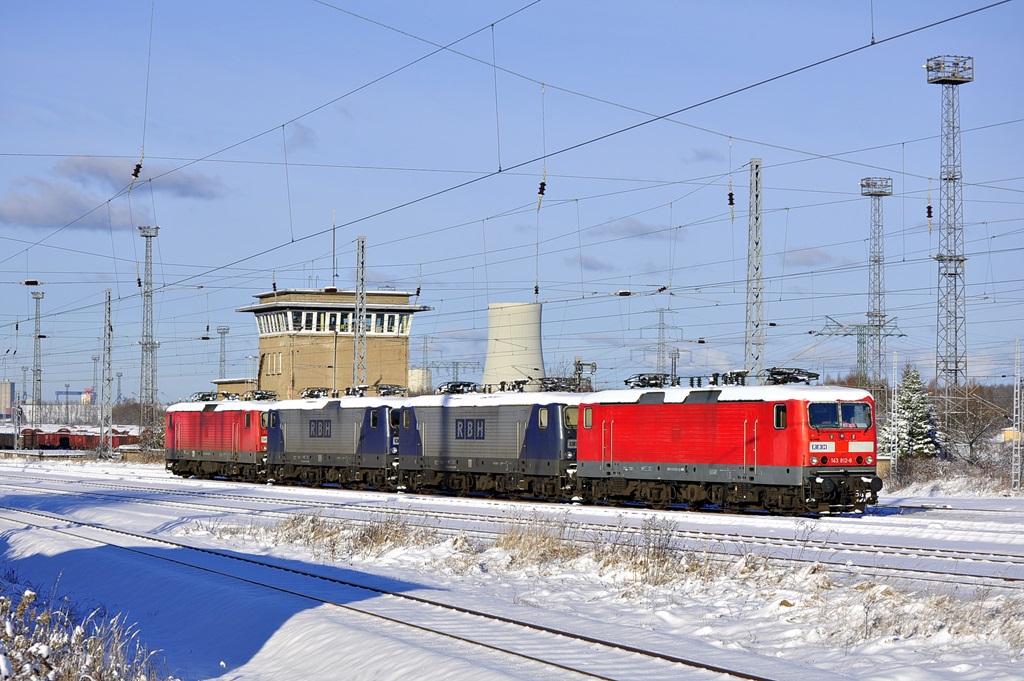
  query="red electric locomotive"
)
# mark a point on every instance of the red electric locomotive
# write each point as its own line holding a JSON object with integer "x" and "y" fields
{"x": 785, "y": 448}
{"x": 227, "y": 438}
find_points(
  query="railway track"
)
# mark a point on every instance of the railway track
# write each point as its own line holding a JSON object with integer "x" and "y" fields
{"x": 950, "y": 566}
{"x": 574, "y": 650}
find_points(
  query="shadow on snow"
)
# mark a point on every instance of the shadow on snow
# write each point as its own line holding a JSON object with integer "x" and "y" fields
{"x": 176, "y": 609}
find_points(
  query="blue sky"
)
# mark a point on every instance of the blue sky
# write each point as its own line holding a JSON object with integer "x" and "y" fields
{"x": 263, "y": 124}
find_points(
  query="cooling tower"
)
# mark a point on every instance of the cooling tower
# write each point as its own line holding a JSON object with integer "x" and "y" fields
{"x": 420, "y": 382}
{"x": 513, "y": 344}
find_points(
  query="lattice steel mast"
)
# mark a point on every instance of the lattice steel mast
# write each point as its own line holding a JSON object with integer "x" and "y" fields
{"x": 148, "y": 391}
{"x": 107, "y": 382}
{"x": 359, "y": 323}
{"x": 660, "y": 367}
{"x": 754, "y": 340}
{"x": 37, "y": 362}
{"x": 1018, "y": 423}
{"x": 876, "y": 188}
{"x": 951, "y": 327}
{"x": 223, "y": 331}
{"x": 95, "y": 404}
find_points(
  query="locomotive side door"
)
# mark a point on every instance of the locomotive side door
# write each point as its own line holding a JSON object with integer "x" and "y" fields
{"x": 607, "y": 442}
{"x": 409, "y": 440}
{"x": 275, "y": 431}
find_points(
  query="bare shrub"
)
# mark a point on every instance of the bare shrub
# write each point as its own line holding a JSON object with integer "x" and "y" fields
{"x": 925, "y": 476}
{"x": 648, "y": 552}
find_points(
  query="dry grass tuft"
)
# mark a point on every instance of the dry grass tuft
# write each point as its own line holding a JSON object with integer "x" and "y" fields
{"x": 331, "y": 538}
{"x": 540, "y": 540}
{"x": 41, "y": 641}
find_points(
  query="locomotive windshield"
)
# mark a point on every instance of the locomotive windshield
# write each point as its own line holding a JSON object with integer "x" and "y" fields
{"x": 571, "y": 415}
{"x": 834, "y": 415}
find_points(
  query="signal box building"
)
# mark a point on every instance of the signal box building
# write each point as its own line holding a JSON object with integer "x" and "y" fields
{"x": 307, "y": 339}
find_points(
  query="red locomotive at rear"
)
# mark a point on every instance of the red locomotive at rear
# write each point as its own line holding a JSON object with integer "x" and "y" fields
{"x": 208, "y": 439}
{"x": 791, "y": 449}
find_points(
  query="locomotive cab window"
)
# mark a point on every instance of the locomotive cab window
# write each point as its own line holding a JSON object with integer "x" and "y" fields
{"x": 834, "y": 415}
{"x": 393, "y": 417}
{"x": 542, "y": 417}
{"x": 373, "y": 419}
{"x": 824, "y": 415}
{"x": 780, "y": 416}
{"x": 407, "y": 418}
{"x": 856, "y": 415}
{"x": 588, "y": 417}
{"x": 248, "y": 419}
{"x": 571, "y": 416}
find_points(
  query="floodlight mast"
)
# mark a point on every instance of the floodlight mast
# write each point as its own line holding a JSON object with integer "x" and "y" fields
{"x": 951, "y": 328}
{"x": 876, "y": 188}
{"x": 223, "y": 331}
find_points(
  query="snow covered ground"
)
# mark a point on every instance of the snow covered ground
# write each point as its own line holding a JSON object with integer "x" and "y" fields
{"x": 847, "y": 622}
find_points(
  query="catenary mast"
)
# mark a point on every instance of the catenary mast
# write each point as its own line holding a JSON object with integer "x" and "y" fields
{"x": 37, "y": 362}
{"x": 359, "y": 323}
{"x": 107, "y": 382}
{"x": 754, "y": 342}
{"x": 148, "y": 391}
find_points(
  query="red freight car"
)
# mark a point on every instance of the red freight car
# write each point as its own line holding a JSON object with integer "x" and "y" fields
{"x": 787, "y": 448}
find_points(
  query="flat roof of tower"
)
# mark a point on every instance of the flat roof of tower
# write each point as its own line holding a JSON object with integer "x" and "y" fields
{"x": 332, "y": 298}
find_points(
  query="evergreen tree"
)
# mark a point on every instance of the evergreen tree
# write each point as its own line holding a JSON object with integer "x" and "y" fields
{"x": 912, "y": 430}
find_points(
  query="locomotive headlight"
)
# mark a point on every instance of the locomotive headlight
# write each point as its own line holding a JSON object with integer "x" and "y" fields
{"x": 814, "y": 461}
{"x": 871, "y": 460}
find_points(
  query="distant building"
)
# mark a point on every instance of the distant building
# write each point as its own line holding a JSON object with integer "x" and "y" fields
{"x": 307, "y": 339}
{"x": 6, "y": 399}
